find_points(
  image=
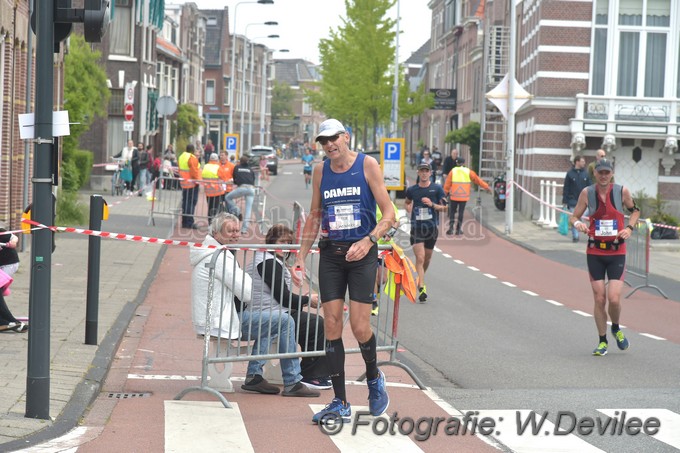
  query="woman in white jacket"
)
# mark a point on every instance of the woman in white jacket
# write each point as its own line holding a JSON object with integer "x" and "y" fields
{"x": 232, "y": 285}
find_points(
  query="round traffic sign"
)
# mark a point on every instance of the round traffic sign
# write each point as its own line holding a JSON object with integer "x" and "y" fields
{"x": 129, "y": 112}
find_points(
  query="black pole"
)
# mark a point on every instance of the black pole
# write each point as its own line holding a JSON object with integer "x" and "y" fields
{"x": 93, "y": 261}
{"x": 38, "y": 370}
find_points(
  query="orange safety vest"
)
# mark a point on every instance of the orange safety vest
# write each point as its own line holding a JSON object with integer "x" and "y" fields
{"x": 460, "y": 184}
{"x": 228, "y": 169}
{"x": 210, "y": 173}
{"x": 184, "y": 171}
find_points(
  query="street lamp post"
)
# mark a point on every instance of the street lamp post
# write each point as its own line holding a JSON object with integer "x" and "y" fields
{"x": 233, "y": 62}
{"x": 263, "y": 100}
{"x": 243, "y": 84}
{"x": 395, "y": 89}
{"x": 251, "y": 94}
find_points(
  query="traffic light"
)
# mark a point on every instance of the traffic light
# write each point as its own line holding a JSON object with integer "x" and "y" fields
{"x": 96, "y": 20}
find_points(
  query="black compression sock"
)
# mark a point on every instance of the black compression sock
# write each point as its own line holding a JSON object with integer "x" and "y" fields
{"x": 370, "y": 358}
{"x": 335, "y": 356}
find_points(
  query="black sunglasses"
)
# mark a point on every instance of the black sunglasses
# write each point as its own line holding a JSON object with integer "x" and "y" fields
{"x": 332, "y": 139}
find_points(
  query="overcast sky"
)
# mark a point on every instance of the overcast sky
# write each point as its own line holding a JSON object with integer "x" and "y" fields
{"x": 302, "y": 23}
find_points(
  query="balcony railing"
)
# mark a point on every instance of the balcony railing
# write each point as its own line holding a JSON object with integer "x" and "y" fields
{"x": 624, "y": 116}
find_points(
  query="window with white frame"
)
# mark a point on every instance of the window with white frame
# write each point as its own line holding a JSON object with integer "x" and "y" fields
{"x": 210, "y": 92}
{"x": 120, "y": 34}
{"x": 642, "y": 29}
{"x": 227, "y": 85}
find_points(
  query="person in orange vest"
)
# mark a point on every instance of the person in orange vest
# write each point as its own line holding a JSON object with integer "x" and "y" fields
{"x": 228, "y": 167}
{"x": 189, "y": 172}
{"x": 458, "y": 187}
{"x": 214, "y": 176}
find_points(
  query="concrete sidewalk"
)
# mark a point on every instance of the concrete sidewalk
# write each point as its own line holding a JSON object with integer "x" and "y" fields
{"x": 127, "y": 271}
{"x": 77, "y": 369}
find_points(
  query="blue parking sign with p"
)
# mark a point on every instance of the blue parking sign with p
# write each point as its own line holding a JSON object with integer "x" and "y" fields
{"x": 231, "y": 143}
{"x": 392, "y": 162}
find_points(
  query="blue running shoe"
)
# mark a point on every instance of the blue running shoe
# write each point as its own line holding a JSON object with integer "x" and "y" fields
{"x": 335, "y": 412}
{"x": 601, "y": 349}
{"x": 621, "y": 340}
{"x": 378, "y": 400}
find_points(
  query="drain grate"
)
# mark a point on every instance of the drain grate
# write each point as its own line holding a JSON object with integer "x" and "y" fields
{"x": 125, "y": 396}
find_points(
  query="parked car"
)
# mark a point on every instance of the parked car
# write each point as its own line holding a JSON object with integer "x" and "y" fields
{"x": 267, "y": 151}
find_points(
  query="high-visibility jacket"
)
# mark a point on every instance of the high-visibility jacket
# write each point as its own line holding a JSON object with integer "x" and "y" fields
{"x": 458, "y": 184}
{"x": 228, "y": 169}
{"x": 212, "y": 172}
{"x": 188, "y": 170}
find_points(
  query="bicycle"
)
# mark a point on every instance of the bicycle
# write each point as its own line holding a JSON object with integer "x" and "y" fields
{"x": 117, "y": 183}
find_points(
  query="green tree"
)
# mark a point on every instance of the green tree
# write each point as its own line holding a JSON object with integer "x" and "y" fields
{"x": 469, "y": 135}
{"x": 356, "y": 82}
{"x": 188, "y": 123}
{"x": 85, "y": 97}
{"x": 282, "y": 101}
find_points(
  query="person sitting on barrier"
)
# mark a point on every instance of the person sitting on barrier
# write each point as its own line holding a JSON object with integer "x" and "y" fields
{"x": 232, "y": 285}
{"x": 261, "y": 323}
{"x": 272, "y": 292}
{"x": 244, "y": 178}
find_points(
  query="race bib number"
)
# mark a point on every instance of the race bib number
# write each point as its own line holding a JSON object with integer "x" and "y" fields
{"x": 606, "y": 227}
{"x": 344, "y": 217}
{"x": 423, "y": 213}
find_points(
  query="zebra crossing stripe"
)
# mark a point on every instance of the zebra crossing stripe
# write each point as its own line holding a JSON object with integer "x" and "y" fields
{"x": 204, "y": 426}
{"x": 669, "y": 422}
{"x": 365, "y": 439}
{"x": 508, "y": 433}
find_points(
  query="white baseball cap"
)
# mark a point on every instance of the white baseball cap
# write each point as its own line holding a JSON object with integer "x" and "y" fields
{"x": 214, "y": 156}
{"x": 330, "y": 128}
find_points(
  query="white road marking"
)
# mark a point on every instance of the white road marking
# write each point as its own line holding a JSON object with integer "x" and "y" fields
{"x": 510, "y": 284}
{"x": 669, "y": 429}
{"x": 437, "y": 249}
{"x": 531, "y": 293}
{"x": 204, "y": 426}
{"x": 458, "y": 262}
{"x": 69, "y": 442}
{"x": 554, "y": 302}
{"x": 653, "y": 337}
{"x": 583, "y": 313}
{"x": 365, "y": 439}
{"x": 446, "y": 255}
{"x": 472, "y": 268}
{"x": 490, "y": 276}
{"x": 507, "y": 432}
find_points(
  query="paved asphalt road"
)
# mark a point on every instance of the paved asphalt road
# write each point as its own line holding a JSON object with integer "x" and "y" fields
{"x": 506, "y": 330}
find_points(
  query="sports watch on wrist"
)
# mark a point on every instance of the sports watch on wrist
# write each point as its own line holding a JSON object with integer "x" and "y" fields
{"x": 373, "y": 239}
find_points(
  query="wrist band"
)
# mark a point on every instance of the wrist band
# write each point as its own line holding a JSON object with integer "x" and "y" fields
{"x": 577, "y": 223}
{"x": 630, "y": 227}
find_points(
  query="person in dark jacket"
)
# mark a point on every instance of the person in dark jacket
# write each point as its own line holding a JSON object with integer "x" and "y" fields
{"x": 575, "y": 181}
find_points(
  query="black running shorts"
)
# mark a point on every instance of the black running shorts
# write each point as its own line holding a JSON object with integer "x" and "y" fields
{"x": 336, "y": 275}
{"x": 613, "y": 266}
{"x": 425, "y": 234}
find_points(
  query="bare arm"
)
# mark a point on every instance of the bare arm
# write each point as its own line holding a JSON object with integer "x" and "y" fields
{"x": 376, "y": 183}
{"x": 579, "y": 210}
{"x": 629, "y": 203}
{"x": 312, "y": 224}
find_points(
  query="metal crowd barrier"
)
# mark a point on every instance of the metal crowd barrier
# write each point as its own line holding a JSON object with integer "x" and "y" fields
{"x": 637, "y": 256}
{"x": 166, "y": 200}
{"x": 226, "y": 351}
